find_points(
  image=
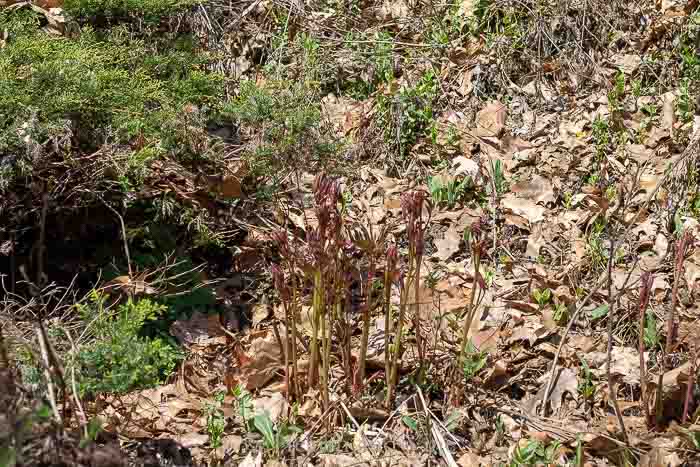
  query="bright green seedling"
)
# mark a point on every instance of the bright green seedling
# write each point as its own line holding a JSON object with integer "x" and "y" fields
{"x": 244, "y": 401}
{"x": 542, "y": 297}
{"x": 216, "y": 422}
{"x": 448, "y": 191}
{"x": 275, "y": 437}
{"x": 410, "y": 422}
{"x": 586, "y": 387}
{"x": 535, "y": 453}
{"x": 600, "y": 312}
{"x": 561, "y": 313}
{"x": 499, "y": 177}
{"x": 474, "y": 361}
{"x": 651, "y": 334}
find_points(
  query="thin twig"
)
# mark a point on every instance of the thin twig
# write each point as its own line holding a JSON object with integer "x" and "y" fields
{"x": 47, "y": 371}
{"x": 74, "y": 384}
{"x": 123, "y": 226}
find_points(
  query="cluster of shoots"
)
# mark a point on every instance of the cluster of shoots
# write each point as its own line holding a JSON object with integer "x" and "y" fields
{"x": 326, "y": 268}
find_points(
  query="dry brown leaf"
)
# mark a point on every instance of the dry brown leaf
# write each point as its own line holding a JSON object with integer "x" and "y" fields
{"x": 565, "y": 382}
{"x": 275, "y": 405}
{"x": 259, "y": 365}
{"x": 537, "y": 189}
{"x": 199, "y": 329}
{"x": 260, "y": 313}
{"x": 464, "y": 166}
{"x": 491, "y": 120}
{"x": 524, "y": 208}
{"x": 230, "y": 444}
{"x": 339, "y": 460}
{"x": 251, "y": 461}
{"x": 624, "y": 362}
{"x": 448, "y": 245}
{"x": 469, "y": 459}
{"x": 190, "y": 440}
{"x": 628, "y": 63}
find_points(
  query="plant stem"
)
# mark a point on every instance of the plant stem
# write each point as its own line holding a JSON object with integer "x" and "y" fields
{"x": 647, "y": 280}
{"x": 316, "y": 313}
{"x": 294, "y": 315}
{"x": 476, "y": 251}
{"x": 365, "y": 325}
{"x": 608, "y": 362}
{"x": 393, "y": 378}
{"x": 387, "y": 326}
{"x": 417, "y": 321}
{"x": 324, "y": 365}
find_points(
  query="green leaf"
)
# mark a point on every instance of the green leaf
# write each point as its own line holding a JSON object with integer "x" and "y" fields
{"x": 410, "y": 422}
{"x": 599, "y": 312}
{"x": 263, "y": 424}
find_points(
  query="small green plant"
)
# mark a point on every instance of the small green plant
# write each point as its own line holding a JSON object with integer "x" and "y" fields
{"x": 651, "y": 116}
{"x": 216, "y": 422}
{"x": 586, "y": 386}
{"x": 542, "y": 297}
{"x": 149, "y": 9}
{"x": 410, "y": 422}
{"x": 652, "y": 339}
{"x": 407, "y": 114}
{"x": 118, "y": 358}
{"x": 595, "y": 249}
{"x": 600, "y": 130}
{"x": 685, "y": 105}
{"x": 535, "y": 452}
{"x": 92, "y": 430}
{"x": 277, "y": 437}
{"x": 561, "y": 314}
{"x": 568, "y": 200}
{"x": 610, "y": 192}
{"x": 286, "y": 116}
{"x": 474, "y": 361}
{"x": 244, "y": 401}
{"x": 447, "y": 190}
{"x": 617, "y": 93}
{"x": 499, "y": 177}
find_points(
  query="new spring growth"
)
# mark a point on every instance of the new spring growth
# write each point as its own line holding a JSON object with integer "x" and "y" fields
{"x": 280, "y": 239}
{"x": 412, "y": 210}
{"x": 280, "y": 283}
{"x": 326, "y": 195}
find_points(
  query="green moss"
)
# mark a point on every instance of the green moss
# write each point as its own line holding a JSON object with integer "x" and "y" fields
{"x": 149, "y": 9}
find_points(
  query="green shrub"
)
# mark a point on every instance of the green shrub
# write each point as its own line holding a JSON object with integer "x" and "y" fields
{"x": 406, "y": 115}
{"x": 95, "y": 89}
{"x": 118, "y": 358}
{"x": 286, "y": 118}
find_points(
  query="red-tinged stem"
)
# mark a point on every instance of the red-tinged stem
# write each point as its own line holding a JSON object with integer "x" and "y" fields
{"x": 365, "y": 325}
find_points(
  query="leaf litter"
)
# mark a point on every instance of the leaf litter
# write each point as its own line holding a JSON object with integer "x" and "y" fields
{"x": 565, "y": 198}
